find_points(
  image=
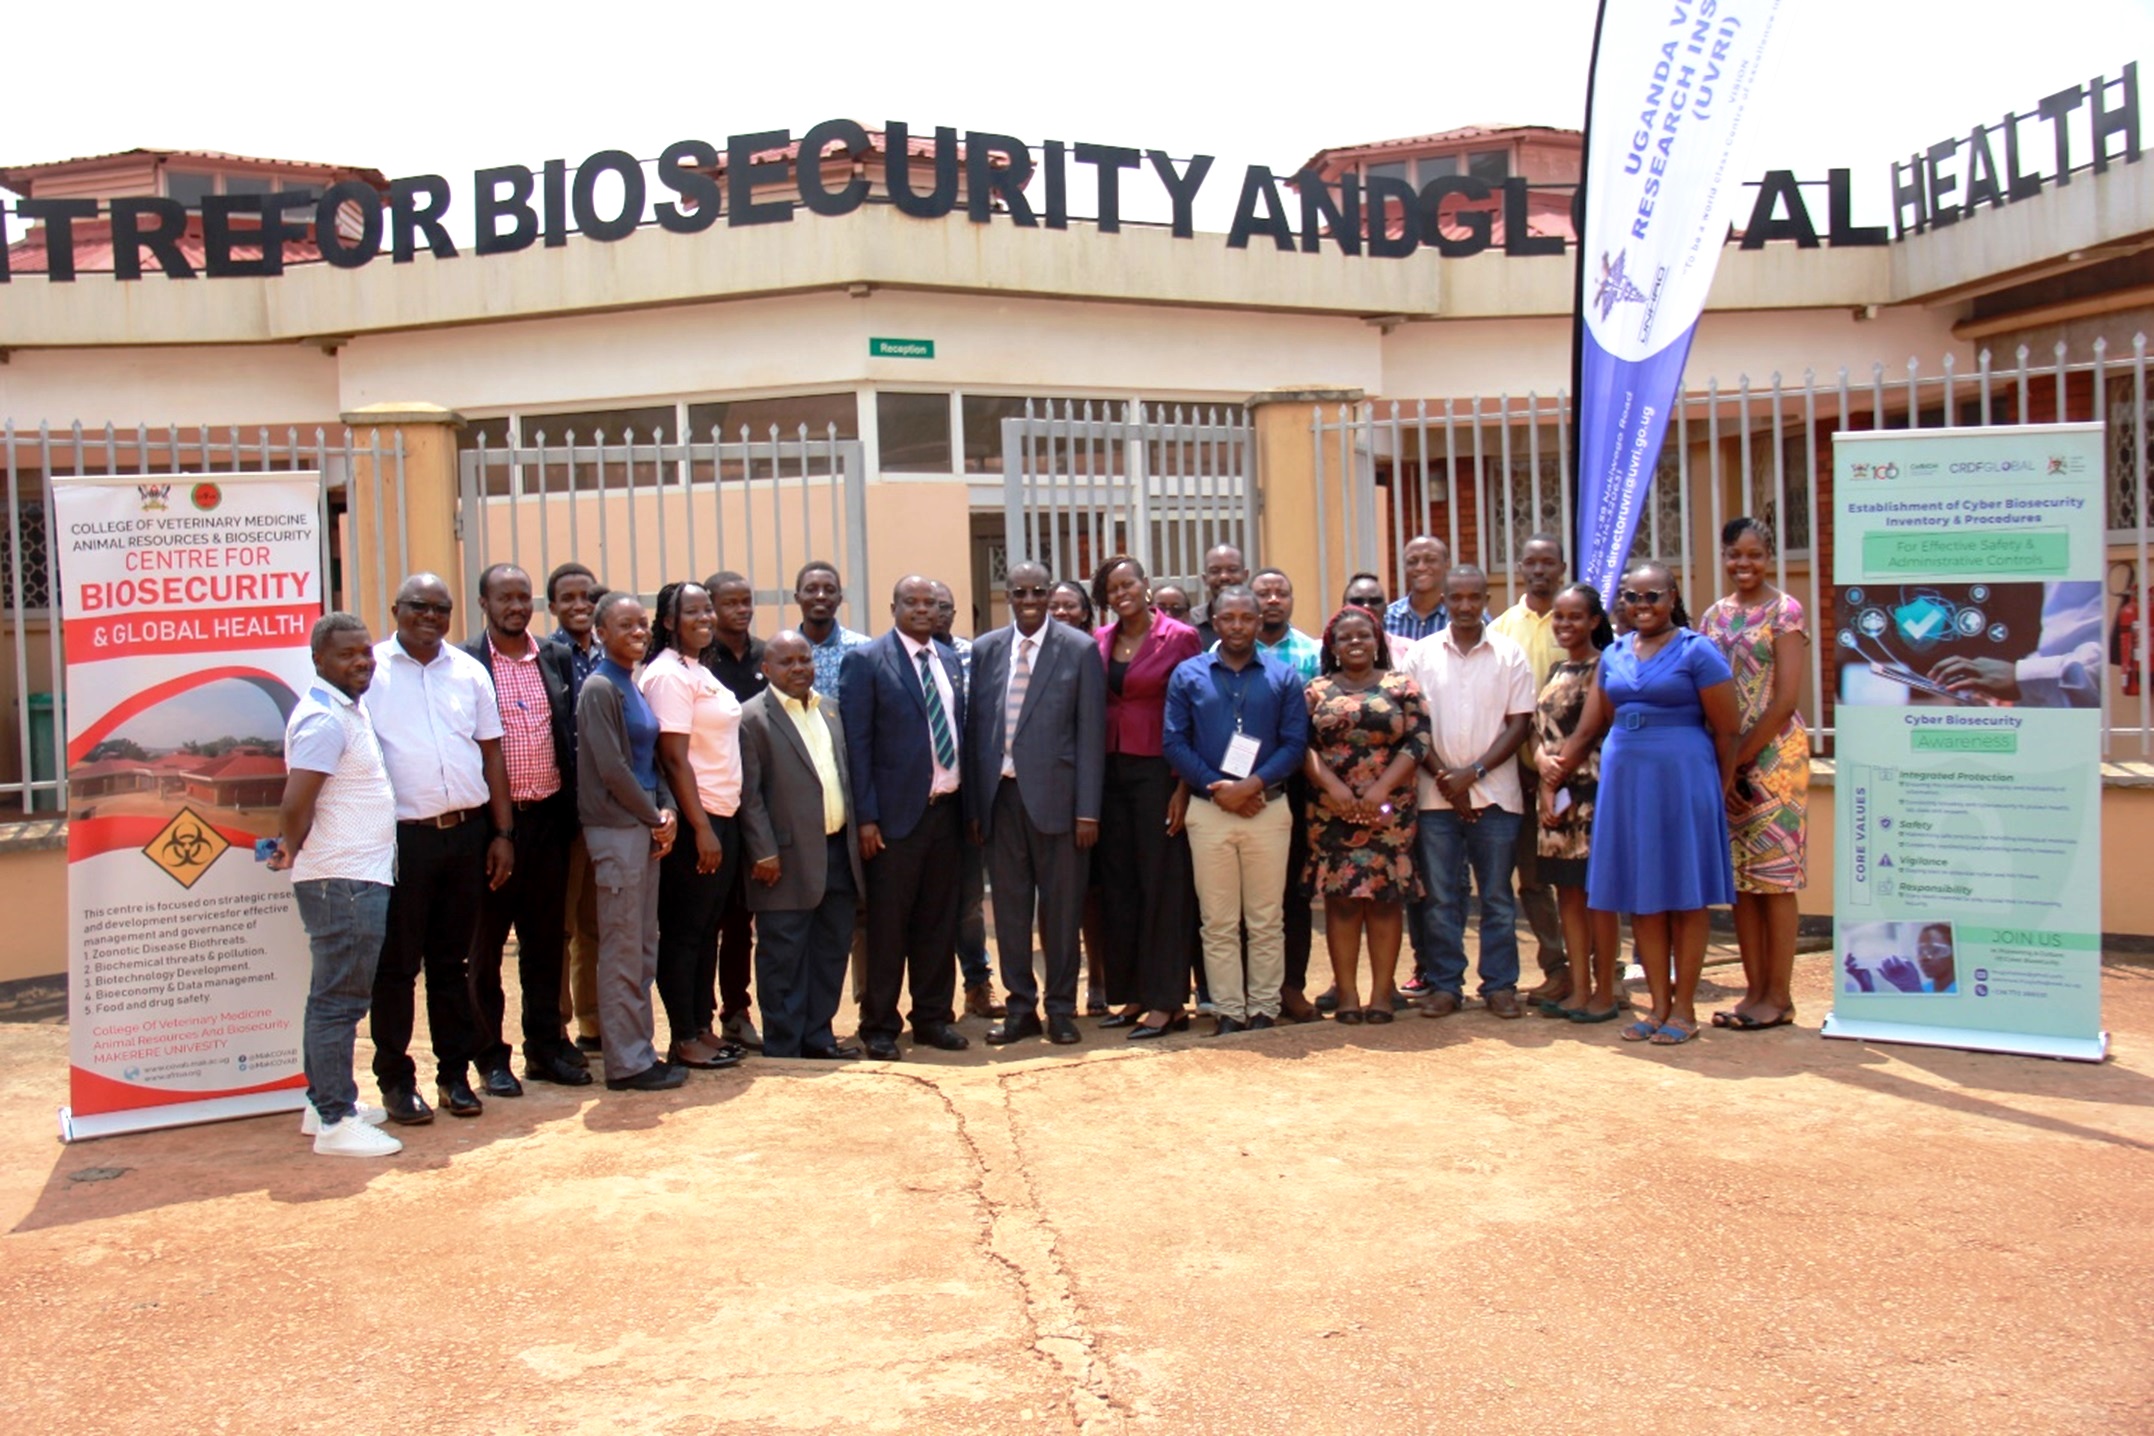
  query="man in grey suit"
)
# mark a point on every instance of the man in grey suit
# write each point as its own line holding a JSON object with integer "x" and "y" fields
{"x": 1036, "y": 755}
{"x": 796, "y": 820}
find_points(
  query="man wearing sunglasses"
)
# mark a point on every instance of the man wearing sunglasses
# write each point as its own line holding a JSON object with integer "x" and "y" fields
{"x": 439, "y": 725}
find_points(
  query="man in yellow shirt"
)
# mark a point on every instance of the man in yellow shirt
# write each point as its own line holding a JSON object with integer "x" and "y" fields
{"x": 1527, "y": 624}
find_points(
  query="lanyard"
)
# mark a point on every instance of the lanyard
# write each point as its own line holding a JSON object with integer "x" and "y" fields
{"x": 1240, "y": 696}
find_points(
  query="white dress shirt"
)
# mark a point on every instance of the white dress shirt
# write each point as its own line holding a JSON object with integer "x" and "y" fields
{"x": 946, "y": 779}
{"x": 430, "y": 719}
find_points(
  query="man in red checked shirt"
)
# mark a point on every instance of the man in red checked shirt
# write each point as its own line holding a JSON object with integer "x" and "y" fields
{"x": 534, "y": 686}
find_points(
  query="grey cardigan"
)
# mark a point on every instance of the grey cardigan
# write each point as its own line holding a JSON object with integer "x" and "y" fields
{"x": 607, "y": 793}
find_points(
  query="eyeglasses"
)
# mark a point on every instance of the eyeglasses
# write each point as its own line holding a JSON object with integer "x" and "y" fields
{"x": 413, "y": 605}
{"x": 1643, "y": 595}
{"x": 1028, "y": 593}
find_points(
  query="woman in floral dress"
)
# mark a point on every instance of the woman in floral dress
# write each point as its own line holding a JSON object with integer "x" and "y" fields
{"x": 1579, "y": 623}
{"x": 1763, "y": 634}
{"x": 1368, "y": 728}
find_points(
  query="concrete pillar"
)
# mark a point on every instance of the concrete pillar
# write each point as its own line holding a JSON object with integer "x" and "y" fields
{"x": 401, "y": 515}
{"x": 1286, "y": 474}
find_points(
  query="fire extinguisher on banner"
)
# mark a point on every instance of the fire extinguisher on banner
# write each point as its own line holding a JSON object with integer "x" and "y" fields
{"x": 2124, "y": 631}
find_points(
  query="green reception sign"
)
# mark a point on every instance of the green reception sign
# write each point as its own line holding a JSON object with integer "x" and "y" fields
{"x": 1967, "y": 663}
{"x": 901, "y": 348}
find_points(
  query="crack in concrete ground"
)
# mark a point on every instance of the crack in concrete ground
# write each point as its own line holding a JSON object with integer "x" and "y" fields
{"x": 1018, "y": 1237}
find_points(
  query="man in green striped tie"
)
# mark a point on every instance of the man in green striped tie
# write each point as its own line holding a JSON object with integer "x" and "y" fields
{"x": 903, "y": 705}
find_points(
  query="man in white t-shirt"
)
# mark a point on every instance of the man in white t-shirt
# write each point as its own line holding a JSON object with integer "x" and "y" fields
{"x": 339, "y": 843}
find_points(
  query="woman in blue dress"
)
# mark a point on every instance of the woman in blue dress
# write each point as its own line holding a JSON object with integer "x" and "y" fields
{"x": 1666, "y": 699}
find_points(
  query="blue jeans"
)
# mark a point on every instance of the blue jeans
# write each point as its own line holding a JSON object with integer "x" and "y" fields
{"x": 346, "y": 920}
{"x": 1456, "y": 855}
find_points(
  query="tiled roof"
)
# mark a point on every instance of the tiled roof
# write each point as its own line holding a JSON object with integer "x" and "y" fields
{"x": 1442, "y": 137}
{"x": 94, "y": 255}
{"x": 17, "y": 177}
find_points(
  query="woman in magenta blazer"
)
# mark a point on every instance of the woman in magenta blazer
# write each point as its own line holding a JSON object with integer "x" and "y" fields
{"x": 1145, "y": 890}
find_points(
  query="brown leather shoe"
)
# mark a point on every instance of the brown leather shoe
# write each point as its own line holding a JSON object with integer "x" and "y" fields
{"x": 1439, "y": 1004}
{"x": 1505, "y": 1003}
{"x": 980, "y": 1002}
{"x": 1295, "y": 1007}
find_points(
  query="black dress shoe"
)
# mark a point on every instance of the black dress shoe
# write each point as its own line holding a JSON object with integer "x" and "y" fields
{"x": 1146, "y": 1032}
{"x": 658, "y": 1077}
{"x": 590, "y": 1044}
{"x": 556, "y": 1067}
{"x": 456, "y": 1096}
{"x": 1227, "y": 1025}
{"x": 1259, "y": 1022}
{"x": 1015, "y": 1028}
{"x": 836, "y": 1052}
{"x": 1062, "y": 1031}
{"x": 500, "y": 1082}
{"x": 884, "y": 1049}
{"x": 573, "y": 1055}
{"x": 949, "y": 1039}
{"x": 1120, "y": 1019}
{"x": 406, "y": 1107}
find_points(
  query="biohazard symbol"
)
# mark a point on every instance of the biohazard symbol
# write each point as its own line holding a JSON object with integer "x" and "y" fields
{"x": 186, "y": 847}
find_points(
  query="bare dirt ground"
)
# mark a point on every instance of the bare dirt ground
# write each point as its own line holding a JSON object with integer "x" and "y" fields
{"x": 1466, "y": 1225}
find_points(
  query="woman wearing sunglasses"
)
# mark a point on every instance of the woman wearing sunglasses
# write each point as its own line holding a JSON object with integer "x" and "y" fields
{"x": 1666, "y": 699}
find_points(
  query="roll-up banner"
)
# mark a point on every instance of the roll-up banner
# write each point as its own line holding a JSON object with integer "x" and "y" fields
{"x": 1968, "y": 667}
{"x": 186, "y": 607}
{"x": 1671, "y": 80}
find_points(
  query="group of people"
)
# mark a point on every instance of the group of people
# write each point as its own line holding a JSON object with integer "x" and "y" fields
{"x": 1149, "y": 796}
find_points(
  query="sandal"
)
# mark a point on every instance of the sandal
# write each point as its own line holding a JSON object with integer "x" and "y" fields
{"x": 1375, "y": 1015}
{"x": 1643, "y": 1030}
{"x": 1744, "y": 1022}
{"x": 1580, "y": 1014}
{"x": 1351, "y": 1016}
{"x": 1674, "y": 1033}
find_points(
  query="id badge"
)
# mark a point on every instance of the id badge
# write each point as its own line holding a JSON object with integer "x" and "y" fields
{"x": 1241, "y": 757}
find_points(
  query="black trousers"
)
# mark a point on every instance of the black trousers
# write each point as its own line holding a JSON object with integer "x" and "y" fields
{"x": 1146, "y": 896}
{"x": 533, "y": 901}
{"x": 691, "y": 907}
{"x": 440, "y": 885}
{"x": 1295, "y": 916}
{"x": 912, "y": 925}
{"x": 736, "y": 946}
{"x": 1026, "y": 867}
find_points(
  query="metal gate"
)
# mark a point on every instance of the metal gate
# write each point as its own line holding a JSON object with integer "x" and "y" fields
{"x": 1082, "y": 482}
{"x": 642, "y": 513}
{"x": 1486, "y": 472}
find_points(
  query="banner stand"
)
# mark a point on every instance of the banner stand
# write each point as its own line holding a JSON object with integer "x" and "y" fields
{"x": 2067, "y": 1049}
{"x": 187, "y": 602}
{"x": 1969, "y": 671}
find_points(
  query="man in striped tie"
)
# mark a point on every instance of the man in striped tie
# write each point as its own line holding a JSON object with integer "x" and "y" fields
{"x": 1034, "y": 765}
{"x": 903, "y": 705}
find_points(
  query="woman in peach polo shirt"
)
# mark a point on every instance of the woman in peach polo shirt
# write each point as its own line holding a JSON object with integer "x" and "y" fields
{"x": 699, "y": 757}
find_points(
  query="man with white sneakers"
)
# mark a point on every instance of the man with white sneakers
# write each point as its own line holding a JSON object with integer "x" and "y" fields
{"x": 339, "y": 843}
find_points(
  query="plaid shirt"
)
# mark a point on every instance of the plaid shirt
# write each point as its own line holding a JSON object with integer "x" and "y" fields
{"x": 526, "y": 724}
{"x": 829, "y": 654}
{"x": 1401, "y": 619}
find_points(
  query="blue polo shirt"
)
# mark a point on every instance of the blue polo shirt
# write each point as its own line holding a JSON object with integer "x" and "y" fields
{"x": 1208, "y": 702}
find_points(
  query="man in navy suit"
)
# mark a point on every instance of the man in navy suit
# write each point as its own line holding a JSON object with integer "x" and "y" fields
{"x": 1035, "y": 758}
{"x": 902, "y": 698}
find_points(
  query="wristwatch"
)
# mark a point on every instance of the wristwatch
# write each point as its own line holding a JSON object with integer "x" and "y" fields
{"x": 509, "y": 833}
{"x": 1479, "y": 771}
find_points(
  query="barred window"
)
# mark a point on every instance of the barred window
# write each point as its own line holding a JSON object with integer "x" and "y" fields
{"x": 29, "y": 513}
{"x": 2129, "y": 446}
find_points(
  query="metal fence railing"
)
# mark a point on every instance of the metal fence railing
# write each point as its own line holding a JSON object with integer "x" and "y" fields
{"x": 33, "y": 762}
{"x": 1163, "y": 483}
{"x": 642, "y": 513}
{"x": 1485, "y": 473}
